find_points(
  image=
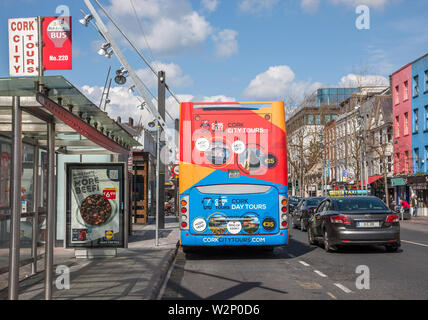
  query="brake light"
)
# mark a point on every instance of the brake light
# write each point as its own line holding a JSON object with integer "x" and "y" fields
{"x": 392, "y": 218}
{"x": 184, "y": 209}
{"x": 283, "y": 208}
{"x": 340, "y": 219}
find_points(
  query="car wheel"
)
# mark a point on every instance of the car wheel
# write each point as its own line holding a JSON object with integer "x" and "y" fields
{"x": 327, "y": 245}
{"x": 311, "y": 238}
{"x": 302, "y": 226}
{"x": 391, "y": 248}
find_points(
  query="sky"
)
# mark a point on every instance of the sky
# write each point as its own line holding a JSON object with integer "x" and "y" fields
{"x": 236, "y": 50}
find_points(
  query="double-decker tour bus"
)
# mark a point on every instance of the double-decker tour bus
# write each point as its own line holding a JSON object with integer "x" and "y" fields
{"x": 233, "y": 174}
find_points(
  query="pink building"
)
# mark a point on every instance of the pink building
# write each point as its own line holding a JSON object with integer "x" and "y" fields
{"x": 401, "y": 86}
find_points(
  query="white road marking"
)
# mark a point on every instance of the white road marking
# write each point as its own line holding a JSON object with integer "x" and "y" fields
{"x": 320, "y": 273}
{"x": 416, "y": 243}
{"x": 343, "y": 288}
{"x": 304, "y": 263}
{"x": 291, "y": 255}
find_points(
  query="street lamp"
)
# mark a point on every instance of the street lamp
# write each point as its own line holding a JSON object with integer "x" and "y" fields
{"x": 121, "y": 75}
{"x": 103, "y": 51}
{"x": 84, "y": 21}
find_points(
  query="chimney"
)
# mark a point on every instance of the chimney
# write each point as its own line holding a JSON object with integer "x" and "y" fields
{"x": 119, "y": 120}
{"x": 131, "y": 122}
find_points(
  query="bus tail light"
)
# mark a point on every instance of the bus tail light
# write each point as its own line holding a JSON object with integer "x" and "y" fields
{"x": 283, "y": 210}
{"x": 184, "y": 209}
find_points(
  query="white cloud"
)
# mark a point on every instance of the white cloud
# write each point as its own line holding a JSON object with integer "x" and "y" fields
{"x": 174, "y": 75}
{"x": 123, "y": 103}
{"x": 210, "y": 5}
{"x": 355, "y": 80}
{"x": 254, "y": 6}
{"x": 310, "y": 6}
{"x": 226, "y": 43}
{"x": 168, "y": 25}
{"x": 375, "y": 4}
{"x": 277, "y": 83}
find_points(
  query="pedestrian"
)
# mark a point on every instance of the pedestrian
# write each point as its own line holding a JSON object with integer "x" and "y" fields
{"x": 405, "y": 205}
{"x": 414, "y": 203}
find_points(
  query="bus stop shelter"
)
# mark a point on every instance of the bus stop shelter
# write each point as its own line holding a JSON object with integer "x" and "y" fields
{"x": 52, "y": 116}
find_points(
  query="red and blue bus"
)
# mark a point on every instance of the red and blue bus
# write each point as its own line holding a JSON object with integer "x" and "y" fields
{"x": 233, "y": 174}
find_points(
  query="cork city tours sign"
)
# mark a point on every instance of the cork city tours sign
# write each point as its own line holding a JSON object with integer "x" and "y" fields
{"x": 23, "y": 47}
{"x": 25, "y": 50}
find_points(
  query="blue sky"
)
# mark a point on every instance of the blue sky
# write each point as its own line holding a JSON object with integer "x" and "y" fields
{"x": 239, "y": 49}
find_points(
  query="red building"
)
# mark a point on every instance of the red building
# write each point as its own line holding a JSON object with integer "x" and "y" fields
{"x": 401, "y": 111}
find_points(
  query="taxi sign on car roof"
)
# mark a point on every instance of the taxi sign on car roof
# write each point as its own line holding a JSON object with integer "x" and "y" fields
{"x": 346, "y": 193}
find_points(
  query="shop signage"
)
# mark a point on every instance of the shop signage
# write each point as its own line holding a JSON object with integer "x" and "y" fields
{"x": 23, "y": 47}
{"x": 57, "y": 49}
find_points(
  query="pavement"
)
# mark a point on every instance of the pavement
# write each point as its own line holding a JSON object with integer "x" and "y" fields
{"x": 136, "y": 273}
{"x": 417, "y": 220}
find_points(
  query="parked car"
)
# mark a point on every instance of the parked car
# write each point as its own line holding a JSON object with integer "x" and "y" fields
{"x": 304, "y": 209}
{"x": 355, "y": 220}
{"x": 293, "y": 202}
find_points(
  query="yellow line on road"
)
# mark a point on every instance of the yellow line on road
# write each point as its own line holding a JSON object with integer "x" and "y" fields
{"x": 332, "y": 295}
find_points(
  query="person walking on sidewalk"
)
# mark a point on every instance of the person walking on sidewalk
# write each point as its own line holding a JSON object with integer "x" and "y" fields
{"x": 414, "y": 203}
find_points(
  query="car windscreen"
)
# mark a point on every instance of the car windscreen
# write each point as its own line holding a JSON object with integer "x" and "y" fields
{"x": 294, "y": 201}
{"x": 354, "y": 204}
{"x": 313, "y": 202}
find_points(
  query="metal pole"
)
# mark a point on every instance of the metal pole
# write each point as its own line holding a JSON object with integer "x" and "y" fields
{"x": 15, "y": 220}
{"x": 40, "y": 43}
{"x": 126, "y": 207}
{"x": 161, "y": 110}
{"x": 157, "y": 182}
{"x": 50, "y": 224}
{"x": 36, "y": 193}
{"x": 137, "y": 81}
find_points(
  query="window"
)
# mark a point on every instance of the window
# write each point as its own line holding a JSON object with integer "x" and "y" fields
{"x": 317, "y": 119}
{"x": 327, "y": 118}
{"x": 426, "y": 118}
{"x": 397, "y": 163}
{"x": 310, "y": 119}
{"x": 415, "y": 121}
{"x": 397, "y": 126}
{"x": 426, "y": 81}
{"x": 363, "y": 203}
{"x": 406, "y": 90}
{"x": 397, "y": 95}
{"x": 406, "y": 123}
{"x": 5, "y": 168}
{"x": 415, "y": 86}
{"x": 416, "y": 164}
{"x": 406, "y": 160}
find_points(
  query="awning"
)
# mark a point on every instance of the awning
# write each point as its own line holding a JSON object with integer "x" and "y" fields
{"x": 396, "y": 182}
{"x": 81, "y": 127}
{"x": 372, "y": 179}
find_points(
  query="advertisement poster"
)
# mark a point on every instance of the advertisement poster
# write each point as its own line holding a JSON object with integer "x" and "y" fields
{"x": 23, "y": 49}
{"x": 95, "y": 205}
{"x": 57, "y": 51}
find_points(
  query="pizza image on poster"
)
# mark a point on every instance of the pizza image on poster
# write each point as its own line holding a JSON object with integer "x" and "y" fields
{"x": 94, "y": 215}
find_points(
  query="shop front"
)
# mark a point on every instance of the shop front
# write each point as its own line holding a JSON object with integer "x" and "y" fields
{"x": 401, "y": 189}
{"x": 419, "y": 188}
